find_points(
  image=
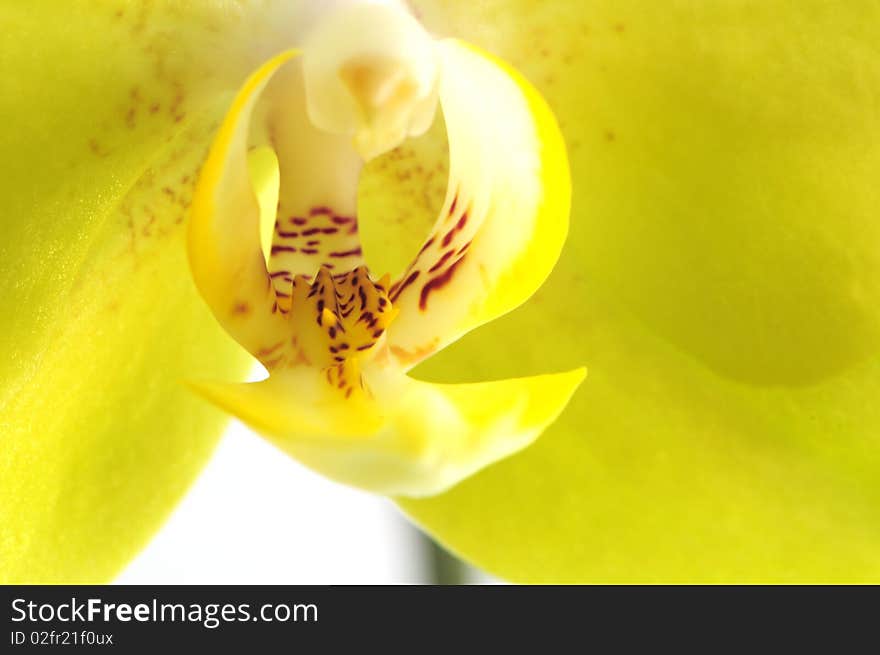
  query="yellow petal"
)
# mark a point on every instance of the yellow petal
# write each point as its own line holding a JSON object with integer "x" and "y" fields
{"x": 395, "y": 435}
{"x": 108, "y": 108}
{"x": 721, "y": 279}
{"x": 505, "y": 217}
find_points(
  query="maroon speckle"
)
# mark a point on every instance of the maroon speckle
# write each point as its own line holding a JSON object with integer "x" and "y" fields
{"x": 320, "y": 211}
{"x": 442, "y": 261}
{"x": 395, "y": 292}
{"x": 276, "y": 249}
{"x": 298, "y": 220}
{"x": 447, "y": 238}
{"x": 437, "y": 283}
{"x": 346, "y": 253}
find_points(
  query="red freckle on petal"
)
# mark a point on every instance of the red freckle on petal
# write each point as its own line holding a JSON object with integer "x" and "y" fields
{"x": 395, "y": 292}
{"x": 96, "y": 148}
{"x": 330, "y": 230}
{"x": 287, "y": 235}
{"x": 341, "y": 220}
{"x": 265, "y": 352}
{"x": 348, "y": 392}
{"x": 461, "y": 221}
{"x": 452, "y": 206}
{"x": 273, "y": 362}
{"x": 447, "y": 238}
{"x": 154, "y": 108}
{"x": 276, "y": 249}
{"x": 321, "y": 210}
{"x": 427, "y": 245}
{"x": 311, "y": 231}
{"x": 297, "y": 220}
{"x": 241, "y": 308}
{"x": 346, "y": 253}
{"x": 442, "y": 261}
{"x": 437, "y": 283}
{"x": 313, "y": 242}
{"x": 309, "y": 251}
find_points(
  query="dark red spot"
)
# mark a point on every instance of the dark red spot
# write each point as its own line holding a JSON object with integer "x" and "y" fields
{"x": 395, "y": 293}
{"x": 313, "y": 242}
{"x": 462, "y": 221}
{"x": 346, "y": 253}
{"x": 276, "y": 249}
{"x": 279, "y": 273}
{"x": 442, "y": 261}
{"x": 298, "y": 220}
{"x": 330, "y": 230}
{"x": 320, "y": 210}
{"x": 427, "y": 245}
{"x": 447, "y": 238}
{"x": 341, "y": 220}
{"x": 311, "y": 231}
{"x": 265, "y": 352}
{"x": 309, "y": 251}
{"x": 437, "y": 283}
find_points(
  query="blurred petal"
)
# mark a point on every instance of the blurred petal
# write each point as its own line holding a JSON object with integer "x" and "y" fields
{"x": 721, "y": 281}
{"x": 107, "y": 109}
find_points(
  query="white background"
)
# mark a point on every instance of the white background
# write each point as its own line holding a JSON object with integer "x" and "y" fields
{"x": 255, "y": 516}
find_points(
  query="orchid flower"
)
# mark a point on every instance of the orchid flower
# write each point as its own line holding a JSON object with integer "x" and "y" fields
{"x": 720, "y": 279}
{"x": 338, "y": 342}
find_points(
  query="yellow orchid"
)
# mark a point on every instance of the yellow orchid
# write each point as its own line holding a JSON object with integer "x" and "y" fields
{"x": 720, "y": 279}
{"x": 336, "y": 342}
